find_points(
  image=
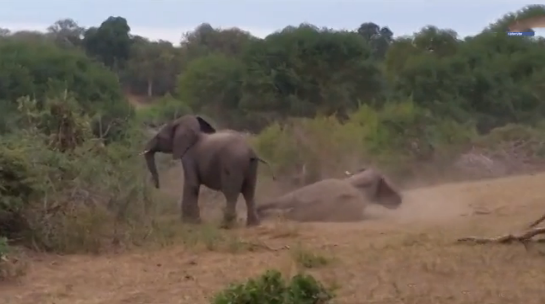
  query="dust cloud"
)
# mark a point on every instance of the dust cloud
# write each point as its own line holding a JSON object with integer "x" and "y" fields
{"x": 432, "y": 205}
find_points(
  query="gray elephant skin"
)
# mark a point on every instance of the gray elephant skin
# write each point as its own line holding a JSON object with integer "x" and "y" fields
{"x": 220, "y": 160}
{"x": 335, "y": 200}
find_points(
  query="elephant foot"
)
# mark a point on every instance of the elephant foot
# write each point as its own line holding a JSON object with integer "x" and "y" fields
{"x": 229, "y": 221}
{"x": 191, "y": 220}
{"x": 227, "y": 226}
{"x": 252, "y": 219}
{"x": 252, "y": 222}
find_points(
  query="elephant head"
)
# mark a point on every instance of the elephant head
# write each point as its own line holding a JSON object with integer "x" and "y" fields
{"x": 381, "y": 190}
{"x": 175, "y": 137}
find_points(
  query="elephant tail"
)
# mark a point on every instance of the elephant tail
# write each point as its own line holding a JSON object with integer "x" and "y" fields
{"x": 268, "y": 165}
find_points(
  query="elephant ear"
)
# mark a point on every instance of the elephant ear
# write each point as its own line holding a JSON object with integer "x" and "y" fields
{"x": 205, "y": 126}
{"x": 185, "y": 133}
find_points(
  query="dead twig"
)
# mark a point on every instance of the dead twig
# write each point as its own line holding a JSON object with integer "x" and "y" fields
{"x": 253, "y": 246}
{"x": 537, "y": 222}
{"x": 505, "y": 239}
{"x": 523, "y": 237}
{"x": 261, "y": 245}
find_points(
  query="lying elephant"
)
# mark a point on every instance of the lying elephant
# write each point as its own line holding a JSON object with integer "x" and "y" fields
{"x": 221, "y": 160}
{"x": 335, "y": 200}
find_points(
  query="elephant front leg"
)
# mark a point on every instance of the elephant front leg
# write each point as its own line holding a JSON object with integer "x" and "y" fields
{"x": 190, "y": 204}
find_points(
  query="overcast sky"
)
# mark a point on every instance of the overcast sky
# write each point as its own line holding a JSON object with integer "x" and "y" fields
{"x": 168, "y": 19}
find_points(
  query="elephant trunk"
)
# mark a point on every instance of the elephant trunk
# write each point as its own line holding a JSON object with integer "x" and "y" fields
{"x": 150, "y": 161}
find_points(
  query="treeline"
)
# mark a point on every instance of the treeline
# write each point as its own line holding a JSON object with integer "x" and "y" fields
{"x": 300, "y": 71}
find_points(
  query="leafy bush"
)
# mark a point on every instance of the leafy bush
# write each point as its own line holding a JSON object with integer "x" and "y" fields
{"x": 10, "y": 267}
{"x": 4, "y": 248}
{"x": 271, "y": 288}
{"x": 163, "y": 110}
{"x": 64, "y": 190}
{"x": 43, "y": 70}
{"x": 46, "y": 70}
{"x": 392, "y": 137}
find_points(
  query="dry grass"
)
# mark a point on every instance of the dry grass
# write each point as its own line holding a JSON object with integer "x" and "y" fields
{"x": 405, "y": 256}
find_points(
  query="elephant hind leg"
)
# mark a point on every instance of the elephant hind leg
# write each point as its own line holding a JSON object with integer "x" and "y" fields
{"x": 248, "y": 192}
{"x": 230, "y": 213}
{"x": 231, "y": 186}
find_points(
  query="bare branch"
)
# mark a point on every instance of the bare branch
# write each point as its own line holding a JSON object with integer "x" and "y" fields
{"x": 505, "y": 239}
{"x": 537, "y": 222}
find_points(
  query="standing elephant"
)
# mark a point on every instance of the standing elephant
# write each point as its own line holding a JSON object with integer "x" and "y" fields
{"x": 220, "y": 160}
{"x": 336, "y": 200}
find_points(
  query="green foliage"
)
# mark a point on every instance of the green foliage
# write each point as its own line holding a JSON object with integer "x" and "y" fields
{"x": 393, "y": 137}
{"x": 309, "y": 259}
{"x": 302, "y": 71}
{"x": 378, "y": 38}
{"x": 491, "y": 78}
{"x": 152, "y": 67}
{"x": 514, "y": 141}
{"x": 502, "y": 24}
{"x": 42, "y": 70}
{"x": 246, "y": 82}
{"x": 62, "y": 189}
{"x": 4, "y": 248}
{"x": 271, "y": 288}
{"x": 110, "y": 42}
{"x": 211, "y": 82}
{"x": 161, "y": 111}
{"x": 11, "y": 267}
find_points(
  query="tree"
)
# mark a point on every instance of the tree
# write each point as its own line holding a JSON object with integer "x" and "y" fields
{"x": 490, "y": 78}
{"x": 379, "y": 38}
{"x": 212, "y": 84}
{"x": 4, "y": 32}
{"x": 110, "y": 43}
{"x": 66, "y": 32}
{"x": 205, "y": 39}
{"x": 522, "y": 20}
{"x": 303, "y": 71}
{"x": 154, "y": 64}
{"x": 439, "y": 42}
{"x": 42, "y": 70}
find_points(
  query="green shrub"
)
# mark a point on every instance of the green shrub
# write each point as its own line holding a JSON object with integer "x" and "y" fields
{"x": 272, "y": 288}
{"x": 4, "y": 248}
{"x": 392, "y": 137}
{"x": 43, "y": 70}
{"x": 10, "y": 267}
{"x": 309, "y": 259}
{"x": 62, "y": 189}
{"x": 163, "y": 110}
{"x": 513, "y": 142}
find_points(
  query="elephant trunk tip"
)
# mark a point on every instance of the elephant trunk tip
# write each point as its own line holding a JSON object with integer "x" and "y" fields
{"x": 150, "y": 161}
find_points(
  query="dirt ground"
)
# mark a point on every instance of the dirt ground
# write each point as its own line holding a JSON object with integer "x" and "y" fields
{"x": 407, "y": 255}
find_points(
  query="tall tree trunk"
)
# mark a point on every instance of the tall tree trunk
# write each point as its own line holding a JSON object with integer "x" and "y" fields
{"x": 150, "y": 87}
